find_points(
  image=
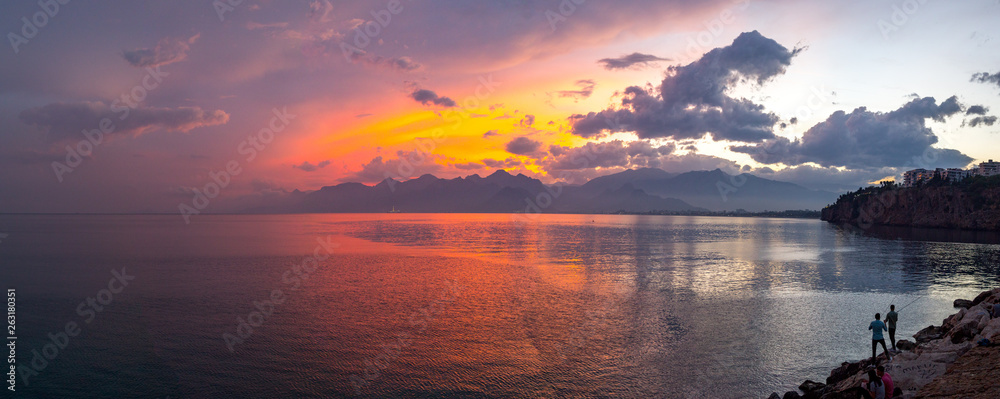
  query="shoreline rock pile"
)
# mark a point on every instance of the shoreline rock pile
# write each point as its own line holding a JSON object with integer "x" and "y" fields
{"x": 919, "y": 362}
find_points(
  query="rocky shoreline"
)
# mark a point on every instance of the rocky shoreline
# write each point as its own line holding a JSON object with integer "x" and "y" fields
{"x": 945, "y": 361}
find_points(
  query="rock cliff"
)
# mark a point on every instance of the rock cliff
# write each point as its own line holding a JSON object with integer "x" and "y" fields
{"x": 972, "y": 207}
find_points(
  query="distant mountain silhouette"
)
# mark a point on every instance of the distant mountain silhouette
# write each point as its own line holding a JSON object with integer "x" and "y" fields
{"x": 718, "y": 190}
{"x": 640, "y": 190}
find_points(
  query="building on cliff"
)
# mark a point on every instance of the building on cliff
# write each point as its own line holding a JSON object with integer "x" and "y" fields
{"x": 988, "y": 169}
{"x": 911, "y": 177}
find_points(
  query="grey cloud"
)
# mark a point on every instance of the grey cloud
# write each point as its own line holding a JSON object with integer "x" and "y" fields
{"x": 425, "y": 97}
{"x": 866, "y": 139}
{"x": 528, "y": 120}
{"x": 982, "y": 120}
{"x": 490, "y": 133}
{"x": 523, "y": 146}
{"x": 976, "y": 110}
{"x": 985, "y": 77}
{"x": 610, "y": 154}
{"x": 692, "y": 100}
{"x": 629, "y": 61}
{"x": 309, "y": 167}
{"x": 502, "y": 164}
{"x": 378, "y": 169}
{"x": 586, "y": 89}
{"x": 68, "y": 120}
{"x": 167, "y": 51}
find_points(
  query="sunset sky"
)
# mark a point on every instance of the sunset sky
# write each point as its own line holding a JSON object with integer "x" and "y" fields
{"x": 829, "y": 95}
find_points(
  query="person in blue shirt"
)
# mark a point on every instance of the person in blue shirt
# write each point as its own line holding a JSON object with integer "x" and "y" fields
{"x": 877, "y": 327}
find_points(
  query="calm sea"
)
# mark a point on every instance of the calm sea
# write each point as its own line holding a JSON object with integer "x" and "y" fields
{"x": 427, "y": 305}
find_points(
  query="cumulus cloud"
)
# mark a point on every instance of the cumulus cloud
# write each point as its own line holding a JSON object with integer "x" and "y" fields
{"x": 490, "y": 133}
{"x": 309, "y": 167}
{"x": 865, "y": 139}
{"x": 66, "y": 120}
{"x": 167, "y": 51}
{"x": 634, "y": 60}
{"x": 692, "y": 100}
{"x": 586, "y": 88}
{"x": 426, "y": 97}
{"x": 523, "y": 146}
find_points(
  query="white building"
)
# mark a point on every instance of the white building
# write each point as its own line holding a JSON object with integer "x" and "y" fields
{"x": 988, "y": 169}
{"x": 955, "y": 174}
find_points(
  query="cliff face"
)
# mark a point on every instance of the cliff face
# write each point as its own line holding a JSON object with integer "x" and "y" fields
{"x": 947, "y": 207}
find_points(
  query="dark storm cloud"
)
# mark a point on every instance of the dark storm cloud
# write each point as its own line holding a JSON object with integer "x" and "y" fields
{"x": 425, "y": 97}
{"x": 629, "y": 61}
{"x": 586, "y": 89}
{"x": 693, "y": 101}
{"x": 68, "y": 120}
{"x": 167, "y": 51}
{"x": 864, "y": 139}
{"x": 523, "y": 146}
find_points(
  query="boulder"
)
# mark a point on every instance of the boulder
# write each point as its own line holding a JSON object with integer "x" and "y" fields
{"x": 953, "y": 320}
{"x": 964, "y": 331}
{"x": 845, "y": 371}
{"x": 928, "y": 334}
{"x": 791, "y": 395}
{"x": 810, "y": 386}
{"x": 982, "y": 297}
{"x": 774, "y": 395}
{"x": 963, "y": 303}
{"x": 992, "y": 328}
{"x": 905, "y": 345}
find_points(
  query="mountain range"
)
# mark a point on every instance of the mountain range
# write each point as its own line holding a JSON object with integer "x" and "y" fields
{"x": 639, "y": 190}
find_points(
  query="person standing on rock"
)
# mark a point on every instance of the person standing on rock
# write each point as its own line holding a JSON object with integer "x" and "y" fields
{"x": 890, "y": 321}
{"x": 877, "y": 327}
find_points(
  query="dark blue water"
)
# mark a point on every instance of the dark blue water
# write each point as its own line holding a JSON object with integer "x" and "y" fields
{"x": 460, "y": 305}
